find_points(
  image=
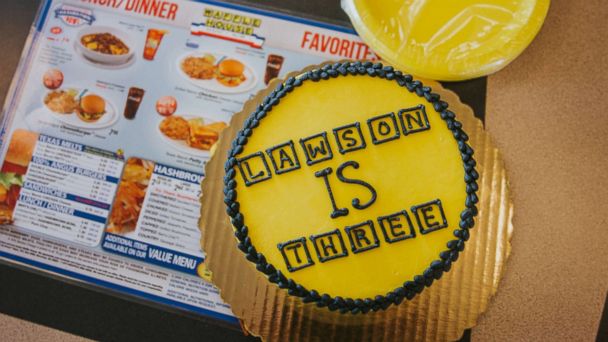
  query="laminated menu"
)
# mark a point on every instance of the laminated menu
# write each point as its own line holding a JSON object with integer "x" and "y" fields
{"x": 111, "y": 118}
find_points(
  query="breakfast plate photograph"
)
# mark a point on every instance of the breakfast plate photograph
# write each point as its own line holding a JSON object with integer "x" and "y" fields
{"x": 217, "y": 72}
{"x": 78, "y": 107}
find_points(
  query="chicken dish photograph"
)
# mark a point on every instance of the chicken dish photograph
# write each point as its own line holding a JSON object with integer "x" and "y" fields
{"x": 200, "y": 68}
{"x": 192, "y": 132}
{"x": 62, "y": 101}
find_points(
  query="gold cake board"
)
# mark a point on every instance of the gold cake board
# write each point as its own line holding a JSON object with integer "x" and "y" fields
{"x": 441, "y": 312}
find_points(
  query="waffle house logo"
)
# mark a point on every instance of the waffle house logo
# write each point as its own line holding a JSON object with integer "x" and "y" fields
{"x": 74, "y": 16}
{"x": 229, "y": 26}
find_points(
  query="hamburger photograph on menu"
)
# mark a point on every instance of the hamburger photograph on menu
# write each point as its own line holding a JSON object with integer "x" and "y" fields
{"x": 14, "y": 168}
{"x": 230, "y": 73}
{"x": 92, "y": 108}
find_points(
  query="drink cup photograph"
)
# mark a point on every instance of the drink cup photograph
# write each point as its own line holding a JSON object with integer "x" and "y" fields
{"x": 273, "y": 67}
{"x": 136, "y": 95}
{"x": 153, "y": 40}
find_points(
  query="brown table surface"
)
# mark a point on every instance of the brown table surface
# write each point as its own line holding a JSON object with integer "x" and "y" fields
{"x": 546, "y": 112}
{"x": 15, "y": 329}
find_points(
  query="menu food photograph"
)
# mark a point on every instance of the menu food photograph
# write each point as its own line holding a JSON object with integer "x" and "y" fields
{"x": 122, "y": 126}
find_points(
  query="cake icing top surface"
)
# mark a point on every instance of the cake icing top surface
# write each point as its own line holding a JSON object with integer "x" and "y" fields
{"x": 349, "y": 186}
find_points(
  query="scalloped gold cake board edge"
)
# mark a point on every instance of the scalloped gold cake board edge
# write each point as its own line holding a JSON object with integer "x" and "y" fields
{"x": 441, "y": 313}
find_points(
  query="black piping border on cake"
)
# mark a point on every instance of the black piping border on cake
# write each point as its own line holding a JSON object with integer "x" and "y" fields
{"x": 410, "y": 287}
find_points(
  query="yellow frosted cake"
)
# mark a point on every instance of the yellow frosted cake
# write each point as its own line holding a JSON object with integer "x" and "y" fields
{"x": 352, "y": 186}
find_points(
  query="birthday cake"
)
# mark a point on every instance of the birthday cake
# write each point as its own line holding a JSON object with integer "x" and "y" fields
{"x": 352, "y": 186}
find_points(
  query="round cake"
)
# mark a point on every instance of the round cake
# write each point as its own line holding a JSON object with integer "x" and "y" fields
{"x": 352, "y": 186}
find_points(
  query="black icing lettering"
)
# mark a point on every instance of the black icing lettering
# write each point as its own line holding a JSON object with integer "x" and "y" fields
{"x": 316, "y": 148}
{"x": 254, "y": 168}
{"x": 349, "y": 138}
{"x": 430, "y": 216}
{"x": 346, "y": 136}
{"x": 283, "y": 158}
{"x": 294, "y": 249}
{"x": 418, "y": 119}
{"x": 394, "y": 227}
{"x": 362, "y": 237}
{"x": 414, "y": 120}
{"x": 250, "y": 173}
{"x": 329, "y": 245}
{"x": 356, "y": 201}
{"x": 383, "y": 128}
{"x": 337, "y": 212}
{"x": 295, "y": 254}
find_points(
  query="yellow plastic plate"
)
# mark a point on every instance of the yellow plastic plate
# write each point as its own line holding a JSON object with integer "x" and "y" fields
{"x": 448, "y": 40}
